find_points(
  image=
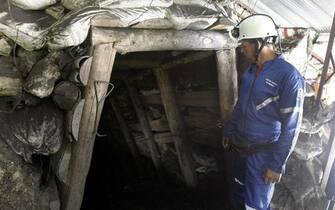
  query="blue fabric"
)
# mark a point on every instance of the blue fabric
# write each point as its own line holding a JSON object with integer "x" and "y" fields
{"x": 269, "y": 110}
{"x": 247, "y": 183}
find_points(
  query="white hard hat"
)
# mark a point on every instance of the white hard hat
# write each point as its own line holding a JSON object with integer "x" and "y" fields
{"x": 255, "y": 26}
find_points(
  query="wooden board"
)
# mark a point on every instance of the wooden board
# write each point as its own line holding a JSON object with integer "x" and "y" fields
{"x": 177, "y": 127}
{"x": 137, "y": 40}
{"x": 103, "y": 59}
{"x": 227, "y": 79}
{"x": 195, "y": 98}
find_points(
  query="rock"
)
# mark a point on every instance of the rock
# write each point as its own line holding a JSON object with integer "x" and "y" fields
{"x": 280, "y": 196}
{"x": 30, "y": 100}
{"x": 33, "y": 130}
{"x": 19, "y": 182}
{"x": 27, "y": 59}
{"x": 41, "y": 80}
{"x": 316, "y": 168}
{"x": 66, "y": 95}
{"x": 313, "y": 122}
{"x": 206, "y": 164}
{"x": 308, "y": 146}
{"x": 298, "y": 179}
{"x": 315, "y": 200}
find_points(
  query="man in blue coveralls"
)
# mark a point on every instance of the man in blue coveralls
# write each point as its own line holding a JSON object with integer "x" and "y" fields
{"x": 264, "y": 126}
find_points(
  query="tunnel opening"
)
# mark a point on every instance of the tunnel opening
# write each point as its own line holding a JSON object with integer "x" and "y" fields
{"x": 117, "y": 179}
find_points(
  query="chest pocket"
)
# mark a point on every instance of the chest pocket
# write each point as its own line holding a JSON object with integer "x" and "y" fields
{"x": 266, "y": 93}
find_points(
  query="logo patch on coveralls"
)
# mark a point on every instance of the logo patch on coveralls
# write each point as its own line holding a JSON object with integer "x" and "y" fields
{"x": 270, "y": 82}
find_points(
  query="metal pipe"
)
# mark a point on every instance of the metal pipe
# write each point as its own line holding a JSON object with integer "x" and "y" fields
{"x": 326, "y": 64}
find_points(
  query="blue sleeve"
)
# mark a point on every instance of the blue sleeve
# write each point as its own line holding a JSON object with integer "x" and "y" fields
{"x": 291, "y": 108}
{"x": 230, "y": 128}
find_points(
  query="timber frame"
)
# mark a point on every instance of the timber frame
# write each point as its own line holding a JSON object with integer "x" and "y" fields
{"x": 106, "y": 42}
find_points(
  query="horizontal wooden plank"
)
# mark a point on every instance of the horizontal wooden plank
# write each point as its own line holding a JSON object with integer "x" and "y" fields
{"x": 210, "y": 139}
{"x": 159, "y": 125}
{"x": 198, "y": 98}
{"x": 138, "y": 40}
{"x": 163, "y": 138}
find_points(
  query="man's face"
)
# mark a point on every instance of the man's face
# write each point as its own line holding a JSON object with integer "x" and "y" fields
{"x": 248, "y": 49}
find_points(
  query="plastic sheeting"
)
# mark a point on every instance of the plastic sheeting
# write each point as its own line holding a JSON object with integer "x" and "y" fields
{"x": 72, "y": 30}
{"x": 33, "y": 29}
{"x": 296, "y": 13}
{"x": 26, "y": 28}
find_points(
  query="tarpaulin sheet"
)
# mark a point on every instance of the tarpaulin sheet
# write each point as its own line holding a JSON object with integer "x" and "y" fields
{"x": 33, "y": 29}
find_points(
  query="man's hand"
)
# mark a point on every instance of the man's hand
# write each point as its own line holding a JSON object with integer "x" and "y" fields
{"x": 271, "y": 176}
{"x": 225, "y": 142}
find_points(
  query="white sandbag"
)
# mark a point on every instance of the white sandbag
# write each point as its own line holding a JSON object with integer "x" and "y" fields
{"x": 134, "y": 4}
{"x": 26, "y": 28}
{"x": 79, "y": 4}
{"x": 193, "y": 17}
{"x": 204, "y": 4}
{"x": 73, "y": 29}
{"x": 33, "y": 4}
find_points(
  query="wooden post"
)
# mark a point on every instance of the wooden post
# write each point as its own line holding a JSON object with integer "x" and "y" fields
{"x": 177, "y": 127}
{"x": 228, "y": 93}
{"x": 227, "y": 80}
{"x": 138, "y": 106}
{"x": 125, "y": 131}
{"x": 101, "y": 69}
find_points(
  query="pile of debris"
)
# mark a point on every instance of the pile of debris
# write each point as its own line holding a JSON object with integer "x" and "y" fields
{"x": 37, "y": 98}
{"x": 301, "y": 185}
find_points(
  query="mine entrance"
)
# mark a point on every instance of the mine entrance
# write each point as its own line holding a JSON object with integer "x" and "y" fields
{"x": 123, "y": 174}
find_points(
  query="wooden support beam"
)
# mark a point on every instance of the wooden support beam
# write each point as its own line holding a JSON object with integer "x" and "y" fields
{"x": 101, "y": 69}
{"x": 111, "y": 22}
{"x": 151, "y": 61}
{"x": 227, "y": 80}
{"x": 196, "y": 99}
{"x": 228, "y": 93}
{"x": 157, "y": 23}
{"x": 177, "y": 127}
{"x": 126, "y": 132}
{"x": 135, "y": 40}
{"x": 141, "y": 115}
{"x": 126, "y": 64}
{"x": 163, "y": 138}
{"x": 204, "y": 122}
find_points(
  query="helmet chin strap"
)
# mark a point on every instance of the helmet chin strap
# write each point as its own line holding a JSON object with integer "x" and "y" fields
{"x": 259, "y": 49}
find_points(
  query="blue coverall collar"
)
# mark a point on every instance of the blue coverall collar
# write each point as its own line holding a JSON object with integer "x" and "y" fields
{"x": 267, "y": 63}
